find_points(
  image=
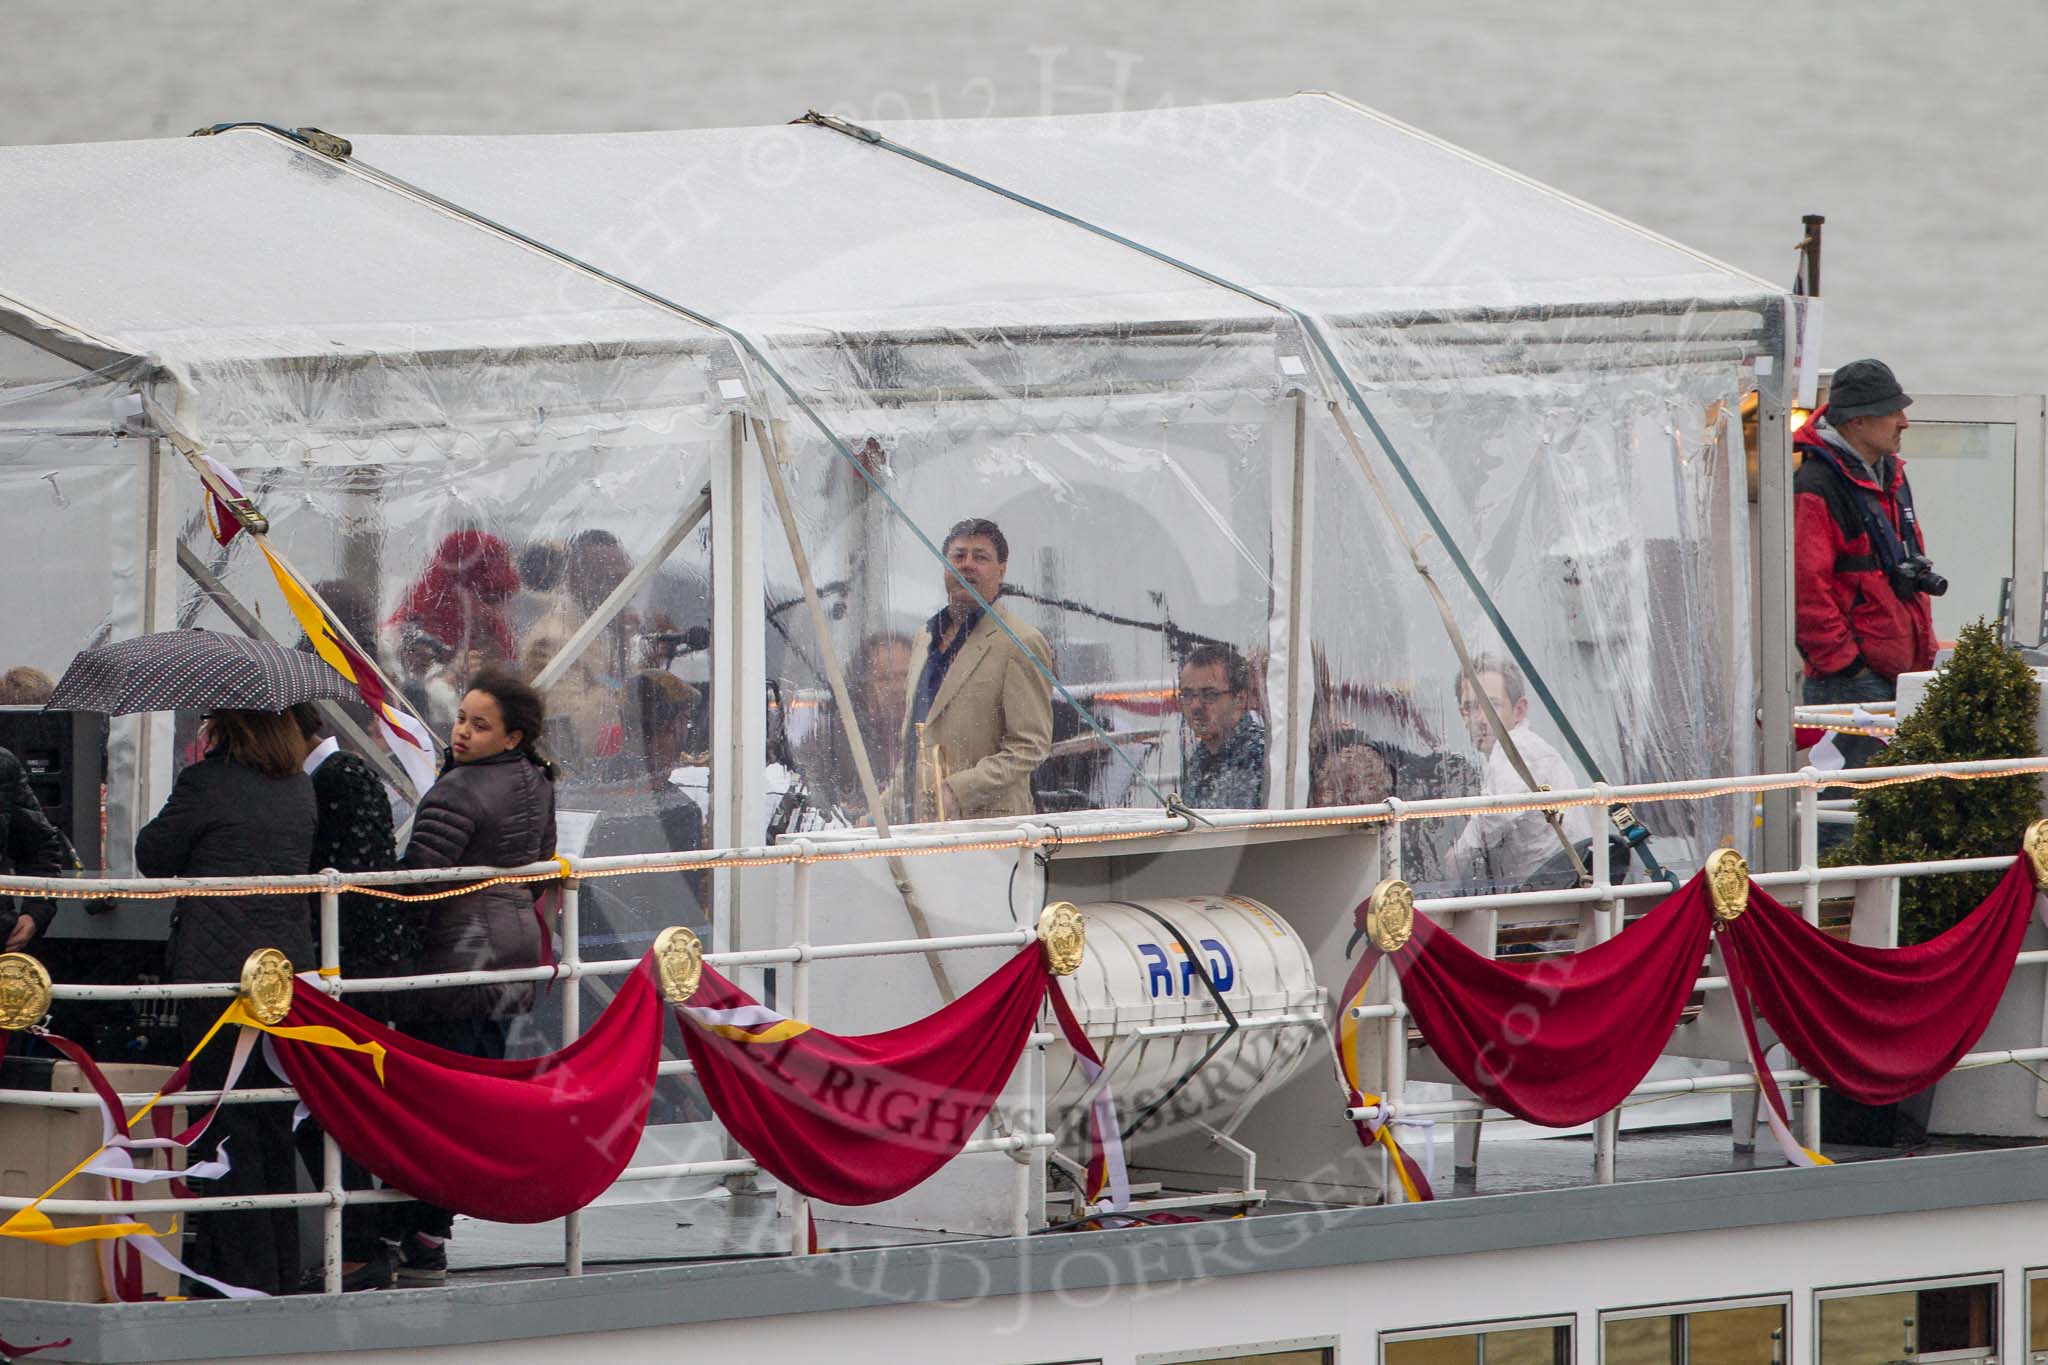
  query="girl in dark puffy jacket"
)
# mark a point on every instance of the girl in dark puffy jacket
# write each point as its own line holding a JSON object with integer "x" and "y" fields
{"x": 244, "y": 810}
{"x": 494, "y": 806}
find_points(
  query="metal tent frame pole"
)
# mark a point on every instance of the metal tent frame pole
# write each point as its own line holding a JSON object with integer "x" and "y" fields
{"x": 1313, "y": 329}
{"x": 772, "y": 458}
{"x": 336, "y": 152}
{"x": 331, "y": 711}
{"x": 629, "y": 587}
{"x": 1777, "y": 661}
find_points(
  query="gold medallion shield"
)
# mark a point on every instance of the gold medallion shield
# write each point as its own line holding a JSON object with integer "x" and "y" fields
{"x": 1728, "y": 884}
{"x": 1063, "y": 934}
{"x": 679, "y": 960}
{"x": 24, "y": 992}
{"x": 267, "y": 985}
{"x": 1390, "y": 915}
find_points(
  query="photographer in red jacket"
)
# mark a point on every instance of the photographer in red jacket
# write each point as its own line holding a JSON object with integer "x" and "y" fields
{"x": 1860, "y": 563}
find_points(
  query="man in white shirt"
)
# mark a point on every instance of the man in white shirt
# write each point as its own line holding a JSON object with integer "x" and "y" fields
{"x": 1505, "y": 850}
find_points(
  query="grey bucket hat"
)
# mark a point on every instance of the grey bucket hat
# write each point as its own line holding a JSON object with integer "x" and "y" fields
{"x": 1865, "y": 388}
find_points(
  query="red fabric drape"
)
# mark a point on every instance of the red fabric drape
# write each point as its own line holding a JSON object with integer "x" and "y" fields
{"x": 517, "y": 1141}
{"x": 1558, "y": 1042}
{"x": 856, "y": 1120}
{"x": 1878, "y": 1024}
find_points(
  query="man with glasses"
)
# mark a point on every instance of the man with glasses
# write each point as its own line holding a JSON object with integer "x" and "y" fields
{"x": 1226, "y": 765}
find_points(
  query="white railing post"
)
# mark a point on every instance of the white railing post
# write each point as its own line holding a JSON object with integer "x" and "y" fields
{"x": 1809, "y": 910}
{"x": 1606, "y": 923}
{"x": 330, "y": 1151}
{"x": 1809, "y": 843}
{"x": 800, "y": 933}
{"x": 1394, "y": 1094}
{"x": 1030, "y": 1168}
{"x": 1390, "y": 839}
{"x": 1394, "y": 1040}
{"x": 571, "y": 964}
{"x": 794, "y": 1205}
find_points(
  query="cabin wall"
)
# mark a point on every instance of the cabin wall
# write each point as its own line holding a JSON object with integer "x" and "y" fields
{"x": 1351, "y": 1303}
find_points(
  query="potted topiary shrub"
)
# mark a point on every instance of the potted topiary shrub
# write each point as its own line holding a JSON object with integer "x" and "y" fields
{"x": 1981, "y": 704}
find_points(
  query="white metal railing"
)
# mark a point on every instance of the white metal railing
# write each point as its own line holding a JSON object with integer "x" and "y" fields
{"x": 802, "y": 854}
{"x": 1809, "y": 877}
{"x": 331, "y": 1198}
{"x": 1872, "y": 718}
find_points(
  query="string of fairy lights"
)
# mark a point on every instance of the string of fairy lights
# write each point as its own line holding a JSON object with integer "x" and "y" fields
{"x": 801, "y": 854}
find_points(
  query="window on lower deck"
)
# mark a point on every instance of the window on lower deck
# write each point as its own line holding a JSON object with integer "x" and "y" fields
{"x": 1538, "y": 1343}
{"x": 1926, "y": 1322}
{"x": 2037, "y": 1317}
{"x": 1748, "y": 1334}
{"x": 1299, "y": 1351}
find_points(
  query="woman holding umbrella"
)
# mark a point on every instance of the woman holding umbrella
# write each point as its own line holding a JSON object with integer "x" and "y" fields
{"x": 245, "y": 809}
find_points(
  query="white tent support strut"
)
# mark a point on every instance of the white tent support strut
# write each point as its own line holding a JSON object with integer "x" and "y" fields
{"x": 191, "y": 448}
{"x": 1466, "y": 668}
{"x": 771, "y": 459}
{"x": 629, "y": 587}
{"x": 745, "y": 350}
{"x": 331, "y": 711}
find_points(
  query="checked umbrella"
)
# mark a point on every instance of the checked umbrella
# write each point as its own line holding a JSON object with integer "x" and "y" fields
{"x": 195, "y": 670}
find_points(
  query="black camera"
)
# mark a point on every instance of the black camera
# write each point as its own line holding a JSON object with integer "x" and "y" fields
{"x": 1915, "y": 573}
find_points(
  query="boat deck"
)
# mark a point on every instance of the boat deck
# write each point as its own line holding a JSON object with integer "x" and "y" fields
{"x": 709, "y": 1222}
{"x": 1940, "y": 1213}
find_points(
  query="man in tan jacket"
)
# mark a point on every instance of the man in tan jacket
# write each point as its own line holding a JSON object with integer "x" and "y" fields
{"x": 985, "y": 707}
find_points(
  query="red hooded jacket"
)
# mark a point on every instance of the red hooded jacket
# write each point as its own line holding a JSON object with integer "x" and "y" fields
{"x": 1846, "y": 606}
{"x": 459, "y": 599}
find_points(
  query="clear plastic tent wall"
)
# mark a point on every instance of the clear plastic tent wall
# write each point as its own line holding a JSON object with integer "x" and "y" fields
{"x": 392, "y": 375}
{"x": 465, "y": 445}
{"x": 1559, "y": 385}
{"x": 1117, "y": 418}
{"x": 1562, "y": 388}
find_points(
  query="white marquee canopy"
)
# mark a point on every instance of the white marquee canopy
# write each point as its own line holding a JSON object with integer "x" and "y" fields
{"x": 1163, "y": 349}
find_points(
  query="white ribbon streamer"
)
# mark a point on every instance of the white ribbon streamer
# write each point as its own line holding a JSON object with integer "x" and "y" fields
{"x": 1374, "y": 1115}
{"x": 1102, "y": 1113}
{"x": 116, "y": 1164}
{"x": 150, "y": 1248}
{"x": 113, "y": 1124}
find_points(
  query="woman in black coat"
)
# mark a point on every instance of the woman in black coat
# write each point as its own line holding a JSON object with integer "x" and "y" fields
{"x": 246, "y": 809}
{"x": 494, "y": 806}
{"x": 30, "y": 846}
{"x": 378, "y": 937}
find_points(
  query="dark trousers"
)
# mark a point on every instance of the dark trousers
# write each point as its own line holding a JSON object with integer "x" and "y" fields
{"x": 258, "y": 1249}
{"x": 1857, "y": 750}
{"x": 361, "y": 1224}
{"x": 472, "y": 1038}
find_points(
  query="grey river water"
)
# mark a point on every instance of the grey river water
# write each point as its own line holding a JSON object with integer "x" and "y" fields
{"x": 1919, "y": 129}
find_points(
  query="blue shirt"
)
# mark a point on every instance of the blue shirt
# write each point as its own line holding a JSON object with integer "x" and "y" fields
{"x": 1234, "y": 777}
{"x": 937, "y": 661}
